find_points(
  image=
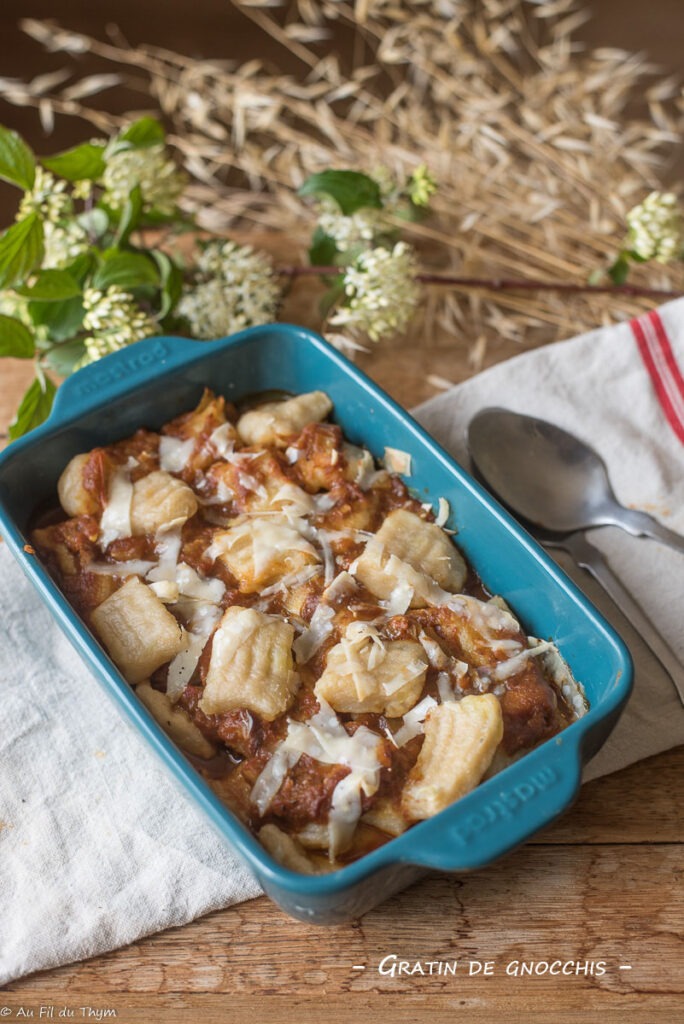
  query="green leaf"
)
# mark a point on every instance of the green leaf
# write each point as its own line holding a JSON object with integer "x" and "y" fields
{"x": 619, "y": 271}
{"x": 62, "y": 319}
{"x": 323, "y": 249}
{"x": 331, "y": 298}
{"x": 63, "y": 358}
{"x": 130, "y": 216}
{"x": 147, "y": 131}
{"x": 636, "y": 257}
{"x": 127, "y": 270}
{"x": 85, "y": 161}
{"x": 351, "y": 190}
{"x": 35, "y": 406}
{"x": 171, "y": 281}
{"x": 21, "y": 249}
{"x": 179, "y": 222}
{"x": 411, "y": 213}
{"x": 17, "y": 162}
{"x": 15, "y": 339}
{"x": 51, "y": 286}
{"x": 80, "y": 268}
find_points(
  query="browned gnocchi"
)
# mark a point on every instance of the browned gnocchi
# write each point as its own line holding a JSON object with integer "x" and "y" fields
{"x": 300, "y": 624}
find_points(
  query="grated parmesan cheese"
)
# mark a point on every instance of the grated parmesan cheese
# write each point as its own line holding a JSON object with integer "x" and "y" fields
{"x": 293, "y": 499}
{"x": 134, "y": 567}
{"x": 116, "y": 518}
{"x": 324, "y": 738}
{"x": 183, "y": 665}
{"x": 175, "y": 453}
{"x": 435, "y": 654}
{"x": 443, "y": 512}
{"x": 444, "y": 687}
{"x": 488, "y": 618}
{"x": 397, "y": 461}
{"x": 273, "y": 775}
{"x": 250, "y": 483}
{"x": 323, "y": 502}
{"x": 166, "y": 591}
{"x": 328, "y": 556}
{"x": 361, "y": 463}
{"x": 344, "y": 583}
{"x": 202, "y": 618}
{"x": 355, "y": 638}
{"x": 292, "y": 580}
{"x": 413, "y": 721}
{"x": 400, "y": 598}
{"x": 191, "y": 584}
{"x": 270, "y": 537}
{"x": 222, "y": 440}
{"x": 404, "y": 676}
{"x": 510, "y": 667}
{"x": 320, "y": 627}
{"x": 223, "y": 495}
{"x": 168, "y": 545}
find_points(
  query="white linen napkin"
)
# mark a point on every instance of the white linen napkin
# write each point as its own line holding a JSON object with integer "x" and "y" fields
{"x": 620, "y": 389}
{"x": 98, "y": 847}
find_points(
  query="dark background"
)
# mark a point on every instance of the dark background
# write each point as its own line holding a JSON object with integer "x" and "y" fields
{"x": 214, "y": 28}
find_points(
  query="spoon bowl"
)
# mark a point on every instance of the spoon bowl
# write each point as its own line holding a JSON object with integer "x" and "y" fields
{"x": 551, "y": 478}
{"x": 559, "y": 487}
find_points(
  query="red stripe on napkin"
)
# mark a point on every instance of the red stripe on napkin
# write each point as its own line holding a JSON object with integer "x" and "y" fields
{"x": 656, "y": 351}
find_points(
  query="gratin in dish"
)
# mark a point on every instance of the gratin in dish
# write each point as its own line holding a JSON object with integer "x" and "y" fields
{"x": 303, "y": 628}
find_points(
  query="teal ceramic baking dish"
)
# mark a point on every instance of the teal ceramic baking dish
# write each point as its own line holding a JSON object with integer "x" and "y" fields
{"x": 154, "y": 380}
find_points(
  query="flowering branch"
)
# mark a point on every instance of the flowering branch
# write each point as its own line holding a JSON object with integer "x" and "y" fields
{"x": 79, "y": 279}
{"x": 373, "y": 278}
{"x": 73, "y": 284}
{"x": 655, "y": 231}
{"x": 499, "y": 284}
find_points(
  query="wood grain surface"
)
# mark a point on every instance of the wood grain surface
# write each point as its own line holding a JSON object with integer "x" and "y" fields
{"x": 604, "y": 884}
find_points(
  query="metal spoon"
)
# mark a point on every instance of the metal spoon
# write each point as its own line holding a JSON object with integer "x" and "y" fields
{"x": 508, "y": 465}
{"x": 552, "y": 478}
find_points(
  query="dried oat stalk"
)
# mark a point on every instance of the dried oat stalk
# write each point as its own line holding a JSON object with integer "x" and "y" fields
{"x": 527, "y": 135}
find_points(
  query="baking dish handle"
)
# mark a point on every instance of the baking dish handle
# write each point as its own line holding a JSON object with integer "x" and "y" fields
{"x": 501, "y": 815}
{"x": 95, "y": 385}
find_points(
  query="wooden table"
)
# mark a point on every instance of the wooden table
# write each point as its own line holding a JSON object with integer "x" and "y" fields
{"x": 603, "y": 884}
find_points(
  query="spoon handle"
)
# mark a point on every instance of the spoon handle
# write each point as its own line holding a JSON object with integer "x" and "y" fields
{"x": 591, "y": 559}
{"x": 641, "y": 524}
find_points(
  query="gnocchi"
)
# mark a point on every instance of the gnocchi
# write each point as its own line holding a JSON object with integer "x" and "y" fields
{"x": 409, "y": 551}
{"x": 299, "y": 624}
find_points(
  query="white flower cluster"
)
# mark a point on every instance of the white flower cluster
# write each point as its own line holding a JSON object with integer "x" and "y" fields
{"x": 48, "y": 197}
{"x": 353, "y": 230}
{"x": 64, "y": 238}
{"x": 63, "y": 243}
{"x": 381, "y": 292}
{"x": 17, "y": 307}
{"x": 421, "y": 186}
{"x": 366, "y": 227}
{"x": 656, "y": 228}
{"x": 236, "y": 288}
{"x": 112, "y": 320}
{"x": 160, "y": 181}
{"x": 418, "y": 188}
